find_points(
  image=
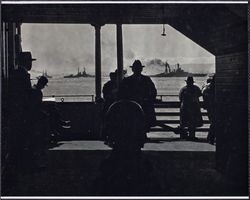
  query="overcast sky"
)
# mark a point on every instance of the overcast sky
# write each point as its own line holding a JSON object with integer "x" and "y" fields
{"x": 62, "y": 48}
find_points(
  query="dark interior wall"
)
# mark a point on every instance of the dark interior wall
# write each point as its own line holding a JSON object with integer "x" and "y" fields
{"x": 232, "y": 101}
{"x": 223, "y": 32}
{"x": 232, "y": 116}
{"x": 217, "y": 28}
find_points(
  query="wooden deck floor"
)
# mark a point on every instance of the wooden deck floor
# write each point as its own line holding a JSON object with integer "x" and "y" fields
{"x": 73, "y": 168}
{"x": 156, "y": 144}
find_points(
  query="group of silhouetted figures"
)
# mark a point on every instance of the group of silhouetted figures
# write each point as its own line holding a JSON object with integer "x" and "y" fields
{"x": 34, "y": 126}
{"x": 140, "y": 90}
{"x": 128, "y": 111}
{"x": 128, "y": 114}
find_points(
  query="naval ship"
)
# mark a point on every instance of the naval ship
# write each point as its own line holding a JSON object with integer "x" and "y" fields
{"x": 176, "y": 72}
{"x": 79, "y": 74}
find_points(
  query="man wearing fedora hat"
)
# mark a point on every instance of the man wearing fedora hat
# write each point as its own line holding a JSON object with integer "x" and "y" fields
{"x": 190, "y": 114}
{"x": 140, "y": 88}
{"x": 20, "y": 78}
{"x": 19, "y": 104}
{"x": 20, "y": 84}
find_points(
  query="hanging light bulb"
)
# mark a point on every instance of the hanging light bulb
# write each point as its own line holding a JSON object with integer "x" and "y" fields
{"x": 163, "y": 30}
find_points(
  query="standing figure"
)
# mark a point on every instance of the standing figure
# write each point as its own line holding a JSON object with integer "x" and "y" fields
{"x": 47, "y": 112}
{"x": 110, "y": 90}
{"x": 190, "y": 114}
{"x": 20, "y": 84}
{"x": 141, "y": 89}
{"x": 208, "y": 93}
{"x": 19, "y": 107}
{"x": 39, "y": 123}
{"x": 37, "y": 92}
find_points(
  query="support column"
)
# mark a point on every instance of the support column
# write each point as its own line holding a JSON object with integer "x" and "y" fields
{"x": 119, "y": 52}
{"x": 18, "y": 46}
{"x": 11, "y": 45}
{"x": 98, "y": 73}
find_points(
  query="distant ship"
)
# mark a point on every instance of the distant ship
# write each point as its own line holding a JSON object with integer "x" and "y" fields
{"x": 44, "y": 74}
{"x": 79, "y": 74}
{"x": 178, "y": 72}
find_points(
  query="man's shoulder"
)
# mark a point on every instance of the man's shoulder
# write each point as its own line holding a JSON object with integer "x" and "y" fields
{"x": 19, "y": 72}
{"x": 107, "y": 83}
{"x": 146, "y": 78}
{"x": 196, "y": 87}
{"x": 184, "y": 87}
{"x": 128, "y": 79}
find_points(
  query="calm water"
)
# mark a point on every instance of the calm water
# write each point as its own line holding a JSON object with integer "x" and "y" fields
{"x": 86, "y": 86}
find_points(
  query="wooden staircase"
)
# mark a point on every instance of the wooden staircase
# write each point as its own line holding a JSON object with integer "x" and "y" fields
{"x": 168, "y": 113}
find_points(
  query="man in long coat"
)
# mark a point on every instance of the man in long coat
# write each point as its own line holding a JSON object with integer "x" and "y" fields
{"x": 141, "y": 89}
{"x": 209, "y": 104}
{"x": 190, "y": 113}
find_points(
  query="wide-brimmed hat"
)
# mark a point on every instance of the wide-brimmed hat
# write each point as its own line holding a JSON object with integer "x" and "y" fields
{"x": 136, "y": 64}
{"x": 190, "y": 79}
{"x": 25, "y": 56}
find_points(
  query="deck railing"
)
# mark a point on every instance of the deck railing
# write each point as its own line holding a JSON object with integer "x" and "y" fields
{"x": 73, "y": 98}
{"x": 91, "y": 97}
{"x": 166, "y": 107}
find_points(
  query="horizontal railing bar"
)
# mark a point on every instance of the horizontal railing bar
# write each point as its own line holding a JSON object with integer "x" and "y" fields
{"x": 68, "y": 95}
{"x": 167, "y": 95}
{"x": 171, "y": 104}
{"x": 164, "y": 130}
{"x": 163, "y": 95}
{"x": 178, "y": 121}
{"x": 174, "y": 113}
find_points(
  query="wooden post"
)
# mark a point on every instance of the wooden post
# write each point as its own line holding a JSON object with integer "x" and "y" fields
{"x": 98, "y": 74}
{"x": 119, "y": 52}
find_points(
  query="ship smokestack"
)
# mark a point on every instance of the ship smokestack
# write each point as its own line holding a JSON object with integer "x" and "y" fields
{"x": 167, "y": 68}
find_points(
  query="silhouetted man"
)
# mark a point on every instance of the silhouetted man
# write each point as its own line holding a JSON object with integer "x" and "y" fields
{"x": 40, "y": 122}
{"x": 49, "y": 111}
{"x": 20, "y": 85}
{"x": 208, "y": 93}
{"x": 110, "y": 90}
{"x": 37, "y": 91}
{"x": 19, "y": 104}
{"x": 190, "y": 114}
{"x": 141, "y": 89}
